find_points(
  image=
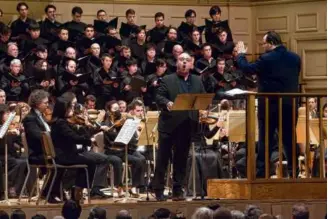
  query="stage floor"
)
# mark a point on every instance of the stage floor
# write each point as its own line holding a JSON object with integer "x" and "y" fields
{"x": 143, "y": 209}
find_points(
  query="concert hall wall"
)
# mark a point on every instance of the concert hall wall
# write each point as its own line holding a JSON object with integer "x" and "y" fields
{"x": 301, "y": 23}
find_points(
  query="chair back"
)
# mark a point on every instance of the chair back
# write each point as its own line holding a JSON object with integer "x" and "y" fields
{"x": 48, "y": 148}
{"x": 25, "y": 145}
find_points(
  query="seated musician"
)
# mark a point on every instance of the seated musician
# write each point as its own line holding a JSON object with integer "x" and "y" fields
{"x": 207, "y": 160}
{"x": 34, "y": 124}
{"x": 16, "y": 164}
{"x": 14, "y": 82}
{"x": 137, "y": 160}
{"x": 103, "y": 161}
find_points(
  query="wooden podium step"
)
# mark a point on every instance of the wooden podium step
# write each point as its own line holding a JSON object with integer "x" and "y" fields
{"x": 262, "y": 189}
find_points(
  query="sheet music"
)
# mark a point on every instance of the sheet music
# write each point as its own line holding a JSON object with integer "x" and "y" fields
{"x": 127, "y": 131}
{"x": 237, "y": 91}
{"x": 5, "y": 126}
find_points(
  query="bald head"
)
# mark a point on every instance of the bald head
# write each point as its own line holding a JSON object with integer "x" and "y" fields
{"x": 95, "y": 49}
{"x": 70, "y": 53}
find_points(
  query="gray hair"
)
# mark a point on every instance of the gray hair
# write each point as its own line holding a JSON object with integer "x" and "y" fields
{"x": 237, "y": 214}
{"x": 36, "y": 97}
{"x": 15, "y": 62}
{"x": 12, "y": 44}
{"x": 203, "y": 213}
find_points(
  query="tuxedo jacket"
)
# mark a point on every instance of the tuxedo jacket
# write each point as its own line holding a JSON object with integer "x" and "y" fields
{"x": 168, "y": 90}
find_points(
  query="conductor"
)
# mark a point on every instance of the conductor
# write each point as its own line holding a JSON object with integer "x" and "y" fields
{"x": 278, "y": 71}
{"x": 175, "y": 127}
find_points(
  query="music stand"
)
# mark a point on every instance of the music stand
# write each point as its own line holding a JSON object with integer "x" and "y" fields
{"x": 151, "y": 119}
{"x": 3, "y": 134}
{"x": 124, "y": 136}
{"x": 189, "y": 101}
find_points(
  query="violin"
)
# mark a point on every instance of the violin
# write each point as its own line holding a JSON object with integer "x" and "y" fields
{"x": 206, "y": 118}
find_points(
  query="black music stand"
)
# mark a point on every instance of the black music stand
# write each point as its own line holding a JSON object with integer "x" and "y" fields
{"x": 194, "y": 102}
{"x": 3, "y": 135}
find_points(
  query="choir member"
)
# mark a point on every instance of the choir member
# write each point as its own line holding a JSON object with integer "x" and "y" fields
{"x": 67, "y": 82}
{"x": 148, "y": 66}
{"x": 70, "y": 53}
{"x": 158, "y": 33}
{"x": 186, "y": 27}
{"x": 106, "y": 82}
{"x": 171, "y": 62}
{"x": 44, "y": 76}
{"x": 83, "y": 44}
{"x": 171, "y": 40}
{"x": 128, "y": 92}
{"x": 224, "y": 79}
{"x": 207, "y": 61}
{"x": 28, "y": 45}
{"x": 58, "y": 48}
{"x": 14, "y": 83}
{"x": 212, "y": 26}
{"x": 101, "y": 15}
{"x": 138, "y": 45}
{"x": 93, "y": 62}
{"x": 194, "y": 45}
{"x": 127, "y": 29}
{"x": 49, "y": 25}
{"x": 19, "y": 26}
{"x": 224, "y": 46}
{"x": 153, "y": 81}
{"x": 76, "y": 26}
{"x": 5, "y": 33}
{"x": 12, "y": 53}
{"x": 119, "y": 64}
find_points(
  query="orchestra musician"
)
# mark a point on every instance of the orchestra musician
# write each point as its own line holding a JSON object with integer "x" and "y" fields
{"x": 34, "y": 124}
{"x": 135, "y": 158}
{"x": 102, "y": 160}
{"x": 175, "y": 127}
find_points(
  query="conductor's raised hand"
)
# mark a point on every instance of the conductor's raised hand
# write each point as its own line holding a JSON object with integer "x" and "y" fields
{"x": 241, "y": 48}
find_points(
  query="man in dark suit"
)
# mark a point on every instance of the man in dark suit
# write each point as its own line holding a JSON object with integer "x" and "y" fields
{"x": 278, "y": 71}
{"x": 175, "y": 127}
{"x": 34, "y": 124}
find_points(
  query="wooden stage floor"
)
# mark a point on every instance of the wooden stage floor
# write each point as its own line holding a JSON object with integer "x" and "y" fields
{"x": 140, "y": 210}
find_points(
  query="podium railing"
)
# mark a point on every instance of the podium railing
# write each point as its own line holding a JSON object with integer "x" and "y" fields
{"x": 315, "y": 128}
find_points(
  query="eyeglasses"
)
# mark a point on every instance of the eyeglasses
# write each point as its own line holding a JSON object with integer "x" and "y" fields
{"x": 185, "y": 59}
